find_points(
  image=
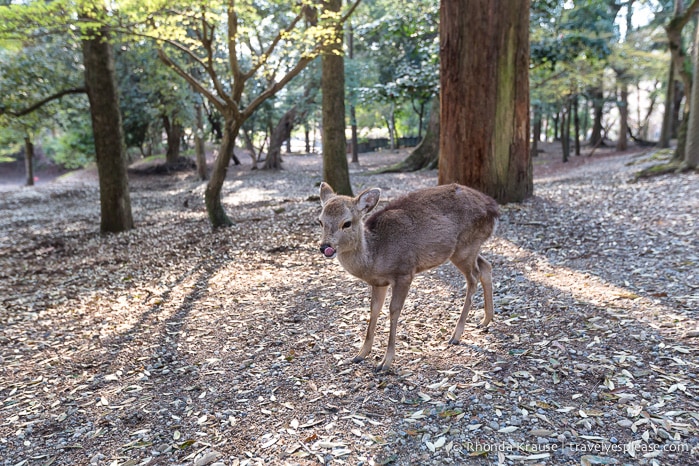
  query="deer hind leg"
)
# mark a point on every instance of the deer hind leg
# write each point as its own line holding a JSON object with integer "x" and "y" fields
{"x": 486, "y": 276}
{"x": 378, "y": 295}
{"x": 399, "y": 292}
{"x": 468, "y": 265}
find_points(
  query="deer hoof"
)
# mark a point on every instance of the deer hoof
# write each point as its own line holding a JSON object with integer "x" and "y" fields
{"x": 453, "y": 341}
{"x": 382, "y": 367}
{"x": 357, "y": 359}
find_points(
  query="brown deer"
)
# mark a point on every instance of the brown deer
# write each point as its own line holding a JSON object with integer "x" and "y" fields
{"x": 411, "y": 234}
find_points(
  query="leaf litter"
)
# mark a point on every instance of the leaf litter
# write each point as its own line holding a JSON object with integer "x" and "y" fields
{"x": 175, "y": 344}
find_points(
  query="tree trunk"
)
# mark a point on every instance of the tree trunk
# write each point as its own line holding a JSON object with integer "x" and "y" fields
{"x": 29, "y": 160}
{"x": 622, "y": 142}
{"x": 307, "y": 134}
{"x": 173, "y": 130}
{"x": 250, "y": 148}
{"x": 335, "y": 167}
{"x": 280, "y": 133}
{"x": 484, "y": 61}
{"x": 691, "y": 150}
{"x": 536, "y": 131}
{"x": 565, "y": 131}
{"x": 678, "y": 94}
{"x": 354, "y": 141}
{"x": 597, "y": 107}
{"x": 199, "y": 146}
{"x": 212, "y": 195}
{"x": 110, "y": 154}
{"x": 576, "y": 124}
{"x": 426, "y": 154}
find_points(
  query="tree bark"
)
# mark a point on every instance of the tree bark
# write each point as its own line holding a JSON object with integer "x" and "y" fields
{"x": 484, "y": 61}
{"x": 565, "y": 131}
{"x": 622, "y": 142}
{"x": 29, "y": 160}
{"x": 691, "y": 152}
{"x": 426, "y": 154}
{"x": 597, "y": 95}
{"x": 536, "y": 130}
{"x": 212, "y": 197}
{"x": 173, "y": 130}
{"x": 576, "y": 124}
{"x": 354, "y": 141}
{"x": 280, "y": 133}
{"x": 110, "y": 154}
{"x": 199, "y": 146}
{"x": 335, "y": 167}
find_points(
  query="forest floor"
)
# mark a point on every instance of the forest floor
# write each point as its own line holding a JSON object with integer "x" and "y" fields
{"x": 175, "y": 344}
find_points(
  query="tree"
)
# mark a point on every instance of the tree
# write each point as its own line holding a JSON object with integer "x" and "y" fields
{"x": 260, "y": 41}
{"x": 490, "y": 152}
{"x": 426, "y": 154}
{"x": 691, "y": 153}
{"x": 110, "y": 153}
{"x": 679, "y": 58}
{"x": 335, "y": 169}
{"x": 34, "y": 79}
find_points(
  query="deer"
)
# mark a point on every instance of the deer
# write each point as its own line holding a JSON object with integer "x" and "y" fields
{"x": 411, "y": 234}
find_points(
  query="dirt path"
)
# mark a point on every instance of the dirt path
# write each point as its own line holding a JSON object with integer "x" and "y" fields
{"x": 173, "y": 344}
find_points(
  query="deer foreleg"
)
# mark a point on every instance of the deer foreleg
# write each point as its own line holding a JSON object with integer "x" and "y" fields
{"x": 399, "y": 292}
{"x": 378, "y": 295}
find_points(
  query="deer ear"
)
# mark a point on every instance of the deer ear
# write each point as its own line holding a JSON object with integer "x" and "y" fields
{"x": 326, "y": 192}
{"x": 368, "y": 199}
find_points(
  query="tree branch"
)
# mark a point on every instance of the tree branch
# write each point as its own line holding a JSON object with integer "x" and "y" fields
{"x": 219, "y": 103}
{"x": 58, "y": 95}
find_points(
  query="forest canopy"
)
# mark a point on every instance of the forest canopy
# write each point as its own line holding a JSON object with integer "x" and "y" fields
{"x": 599, "y": 73}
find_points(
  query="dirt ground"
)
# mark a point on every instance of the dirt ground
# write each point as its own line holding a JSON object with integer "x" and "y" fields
{"x": 173, "y": 344}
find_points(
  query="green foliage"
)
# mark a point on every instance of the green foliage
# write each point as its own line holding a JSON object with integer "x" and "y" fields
{"x": 397, "y": 60}
{"x": 73, "y": 146}
{"x": 148, "y": 92}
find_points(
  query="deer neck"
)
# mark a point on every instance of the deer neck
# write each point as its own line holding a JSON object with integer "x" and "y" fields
{"x": 357, "y": 260}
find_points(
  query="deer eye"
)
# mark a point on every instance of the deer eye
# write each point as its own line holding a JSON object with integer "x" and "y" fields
{"x": 346, "y": 225}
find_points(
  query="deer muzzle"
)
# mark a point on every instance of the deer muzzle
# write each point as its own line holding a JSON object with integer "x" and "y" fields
{"x": 328, "y": 251}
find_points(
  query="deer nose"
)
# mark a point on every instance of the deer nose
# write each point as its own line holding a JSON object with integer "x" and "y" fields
{"x": 327, "y": 250}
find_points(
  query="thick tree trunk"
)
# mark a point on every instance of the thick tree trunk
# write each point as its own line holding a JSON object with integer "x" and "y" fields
{"x": 173, "y": 130}
{"x": 115, "y": 202}
{"x": 212, "y": 195}
{"x": 199, "y": 146}
{"x": 335, "y": 167}
{"x": 29, "y": 160}
{"x": 426, "y": 154}
{"x": 280, "y": 133}
{"x": 484, "y": 62}
{"x": 691, "y": 151}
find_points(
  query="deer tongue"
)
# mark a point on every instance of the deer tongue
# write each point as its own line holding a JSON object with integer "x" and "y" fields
{"x": 329, "y": 252}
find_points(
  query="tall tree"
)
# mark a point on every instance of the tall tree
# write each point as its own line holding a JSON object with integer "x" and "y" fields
{"x": 491, "y": 152}
{"x": 691, "y": 153}
{"x": 110, "y": 153}
{"x": 679, "y": 57}
{"x": 335, "y": 169}
{"x": 253, "y": 39}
